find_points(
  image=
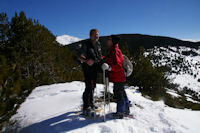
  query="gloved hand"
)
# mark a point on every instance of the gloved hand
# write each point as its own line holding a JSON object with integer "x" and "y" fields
{"x": 105, "y": 66}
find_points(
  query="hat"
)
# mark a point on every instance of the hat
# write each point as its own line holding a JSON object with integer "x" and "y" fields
{"x": 115, "y": 39}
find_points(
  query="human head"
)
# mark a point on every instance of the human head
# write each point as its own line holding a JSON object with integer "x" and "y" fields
{"x": 94, "y": 34}
{"x": 113, "y": 40}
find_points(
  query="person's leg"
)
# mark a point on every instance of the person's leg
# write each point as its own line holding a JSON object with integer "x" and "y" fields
{"x": 119, "y": 96}
{"x": 87, "y": 92}
{"x": 91, "y": 94}
{"x": 127, "y": 103}
{"x": 93, "y": 86}
{"x": 126, "y": 100}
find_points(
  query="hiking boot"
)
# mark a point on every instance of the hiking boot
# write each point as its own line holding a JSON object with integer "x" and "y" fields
{"x": 89, "y": 112}
{"x": 94, "y": 107}
{"x": 127, "y": 112}
{"x": 86, "y": 111}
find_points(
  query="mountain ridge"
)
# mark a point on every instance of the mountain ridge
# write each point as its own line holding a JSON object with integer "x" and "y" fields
{"x": 135, "y": 41}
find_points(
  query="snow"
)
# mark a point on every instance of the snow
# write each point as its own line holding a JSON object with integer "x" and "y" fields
{"x": 173, "y": 93}
{"x": 186, "y": 80}
{"x": 191, "y": 40}
{"x": 187, "y": 72}
{"x": 191, "y": 100}
{"x": 66, "y": 39}
{"x": 52, "y": 109}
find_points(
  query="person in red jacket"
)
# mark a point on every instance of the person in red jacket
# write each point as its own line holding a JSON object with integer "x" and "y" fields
{"x": 115, "y": 59}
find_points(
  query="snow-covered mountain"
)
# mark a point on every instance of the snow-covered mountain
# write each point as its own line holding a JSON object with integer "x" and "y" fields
{"x": 183, "y": 64}
{"x": 55, "y": 108}
{"x": 67, "y": 39}
{"x": 191, "y": 40}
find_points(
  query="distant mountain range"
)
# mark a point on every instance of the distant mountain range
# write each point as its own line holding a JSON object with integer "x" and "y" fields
{"x": 191, "y": 40}
{"x": 167, "y": 52}
{"x": 134, "y": 41}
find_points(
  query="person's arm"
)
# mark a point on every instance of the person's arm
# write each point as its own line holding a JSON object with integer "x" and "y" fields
{"x": 118, "y": 61}
{"x": 82, "y": 54}
{"x": 82, "y": 58}
{"x": 90, "y": 62}
{"x": 81, "y": 50}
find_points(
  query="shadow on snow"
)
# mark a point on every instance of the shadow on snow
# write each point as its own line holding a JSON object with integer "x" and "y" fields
{"x": 62, "y": 123}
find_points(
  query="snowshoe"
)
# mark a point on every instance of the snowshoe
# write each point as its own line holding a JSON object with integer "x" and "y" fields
{"x": 118, "y": 115}
{"x": 89, "y": 113}
{"x": 129, "y": 116}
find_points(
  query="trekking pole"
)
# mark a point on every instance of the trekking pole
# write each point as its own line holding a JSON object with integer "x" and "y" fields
{"x": 105, "y": 68}
{"x": 104, "y": 81}
{"x": 109, "y": 97}
{"x": 95, "y": 100}
{"x": 107, "y": 88}
{"x": 94, "y": 112}
{"x": 96, "y": 95}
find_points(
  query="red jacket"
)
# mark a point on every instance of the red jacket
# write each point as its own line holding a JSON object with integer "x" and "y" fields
{"x": 115, "y": 59}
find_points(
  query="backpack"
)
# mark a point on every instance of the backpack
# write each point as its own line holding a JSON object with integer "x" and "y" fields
{"x": 128, "y": 66}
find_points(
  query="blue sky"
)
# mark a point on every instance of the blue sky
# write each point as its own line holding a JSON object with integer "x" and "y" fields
{"x": 174, "y": 18}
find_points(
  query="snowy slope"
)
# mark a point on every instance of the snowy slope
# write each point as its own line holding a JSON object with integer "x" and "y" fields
{"x": 183, "y": 62}
{"x": 52, "y": 109}
{"x": 66, "y": 39}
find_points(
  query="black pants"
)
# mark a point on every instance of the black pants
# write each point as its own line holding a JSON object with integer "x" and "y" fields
{"x": 119, "y": 92}
{"x": 90, "y": 84}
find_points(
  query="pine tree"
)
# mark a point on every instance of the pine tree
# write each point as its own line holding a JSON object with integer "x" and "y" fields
{"x": 30, "y": 57}
{"x": 125, "y": 50}
{"x": 4, "y": 28}
{"x": 149, "y": 79}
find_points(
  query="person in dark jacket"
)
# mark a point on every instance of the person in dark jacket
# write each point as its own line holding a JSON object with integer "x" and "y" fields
{"x": 115, "y": 59}
{"x": 90, "y": 57}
